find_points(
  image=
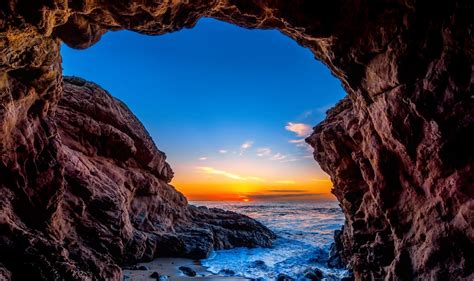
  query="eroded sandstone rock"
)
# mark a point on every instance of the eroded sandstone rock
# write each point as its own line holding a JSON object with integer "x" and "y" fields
{"x": 398, "y": 148}
{"x": 402, "y": 221}
{"x": 116, "y": 205}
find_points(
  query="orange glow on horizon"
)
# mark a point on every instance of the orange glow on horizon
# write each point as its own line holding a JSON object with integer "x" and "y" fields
{"x": 243, "y": 179}
{"x": 316, "y": 189}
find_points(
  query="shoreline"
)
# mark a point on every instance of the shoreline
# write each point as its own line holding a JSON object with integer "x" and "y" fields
{"x": 170, "y": 267}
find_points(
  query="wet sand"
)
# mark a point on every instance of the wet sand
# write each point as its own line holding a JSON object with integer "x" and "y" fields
{"x": 170, "y": 267}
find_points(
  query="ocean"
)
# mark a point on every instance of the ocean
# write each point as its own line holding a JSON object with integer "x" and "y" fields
{"x": 305, "y": 232}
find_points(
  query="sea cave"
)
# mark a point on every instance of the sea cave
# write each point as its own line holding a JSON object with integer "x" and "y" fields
{"x": 398, "y": 147}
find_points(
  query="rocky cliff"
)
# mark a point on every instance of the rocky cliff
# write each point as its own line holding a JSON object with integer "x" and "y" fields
{"x": 115, "y": 205}
{"x": 398, "y": 148}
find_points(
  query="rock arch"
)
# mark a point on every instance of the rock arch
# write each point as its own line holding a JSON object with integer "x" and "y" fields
{"x": 398, "y": 148}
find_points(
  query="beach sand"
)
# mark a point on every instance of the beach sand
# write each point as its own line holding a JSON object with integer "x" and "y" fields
{"x": 170, "y": 267}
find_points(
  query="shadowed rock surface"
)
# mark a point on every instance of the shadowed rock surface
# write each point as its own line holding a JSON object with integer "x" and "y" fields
{"x": 398, "y": 148}
{"x": 337, "y": 258}
{"x": 117, "y": 206}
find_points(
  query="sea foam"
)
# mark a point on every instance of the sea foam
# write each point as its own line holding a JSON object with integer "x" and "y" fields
{"x": 305, "y": 233}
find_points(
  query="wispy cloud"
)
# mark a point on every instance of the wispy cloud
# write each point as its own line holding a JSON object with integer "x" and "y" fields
{"x": 303, "y": 144}
{"x": 223, "y": 151}
{"x": 267, "y": 152}
{"x": 246, "y": 145}
{"x": 316, "y": 112}
{"x": 278, "y": 156}
{"x": 300, "y": 129}
{"x": 264, "y": 151}
{"x": 212, "y": 171}
{"x": 300, "y": 143}
{"x": 203, "y": 158}
{"x": 293, "y": 159}
{"x": 296, "y": 141}
{"x": 307, "y": 114}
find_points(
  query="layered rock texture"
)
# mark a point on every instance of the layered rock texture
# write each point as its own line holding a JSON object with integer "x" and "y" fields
{"x": 115, "y": 205}
{"x": 398, "y": 148}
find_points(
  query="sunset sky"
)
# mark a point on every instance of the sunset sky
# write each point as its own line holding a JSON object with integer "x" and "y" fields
{"x": 229, "y": 106}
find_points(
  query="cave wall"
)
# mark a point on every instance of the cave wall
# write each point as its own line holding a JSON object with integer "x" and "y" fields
{"x": 398, "y": 148}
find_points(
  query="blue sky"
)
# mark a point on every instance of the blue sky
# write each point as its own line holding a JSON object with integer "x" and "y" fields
{"x": 218, "y": 97}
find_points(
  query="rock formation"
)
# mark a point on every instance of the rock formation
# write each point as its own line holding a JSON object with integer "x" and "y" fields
{"x": 116, "y": 205}
{"x": 398, "y": 148}
{"x": 337, "y": 258}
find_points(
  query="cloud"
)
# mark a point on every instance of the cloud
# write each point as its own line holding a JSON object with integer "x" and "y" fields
{"x": 296, "y": 141}
{"x": 223, "y": 151}
{"x": 305, "y": 146}
{"x": 307, "y": 113}
{"x": 316, "y": 112}
{"x": 246, "y": 145}
{"x": 302, "y": 144}
{"x": 278, "y": 156}
{"x": 264, "y": 151}
{"x": 290, "y": 160}
{"x": 282, "y": 158}
{"x": 300, "y": 129}
{"x": 203, "y": 158}
{"x": 212, "y": 171}
{"x": 285, "y": 182}
{"x": 267, "y": 152}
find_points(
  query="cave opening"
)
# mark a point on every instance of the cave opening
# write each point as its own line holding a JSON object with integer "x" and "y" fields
{"x": 227, "y": 105}
{"x": 231, "y": 108}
